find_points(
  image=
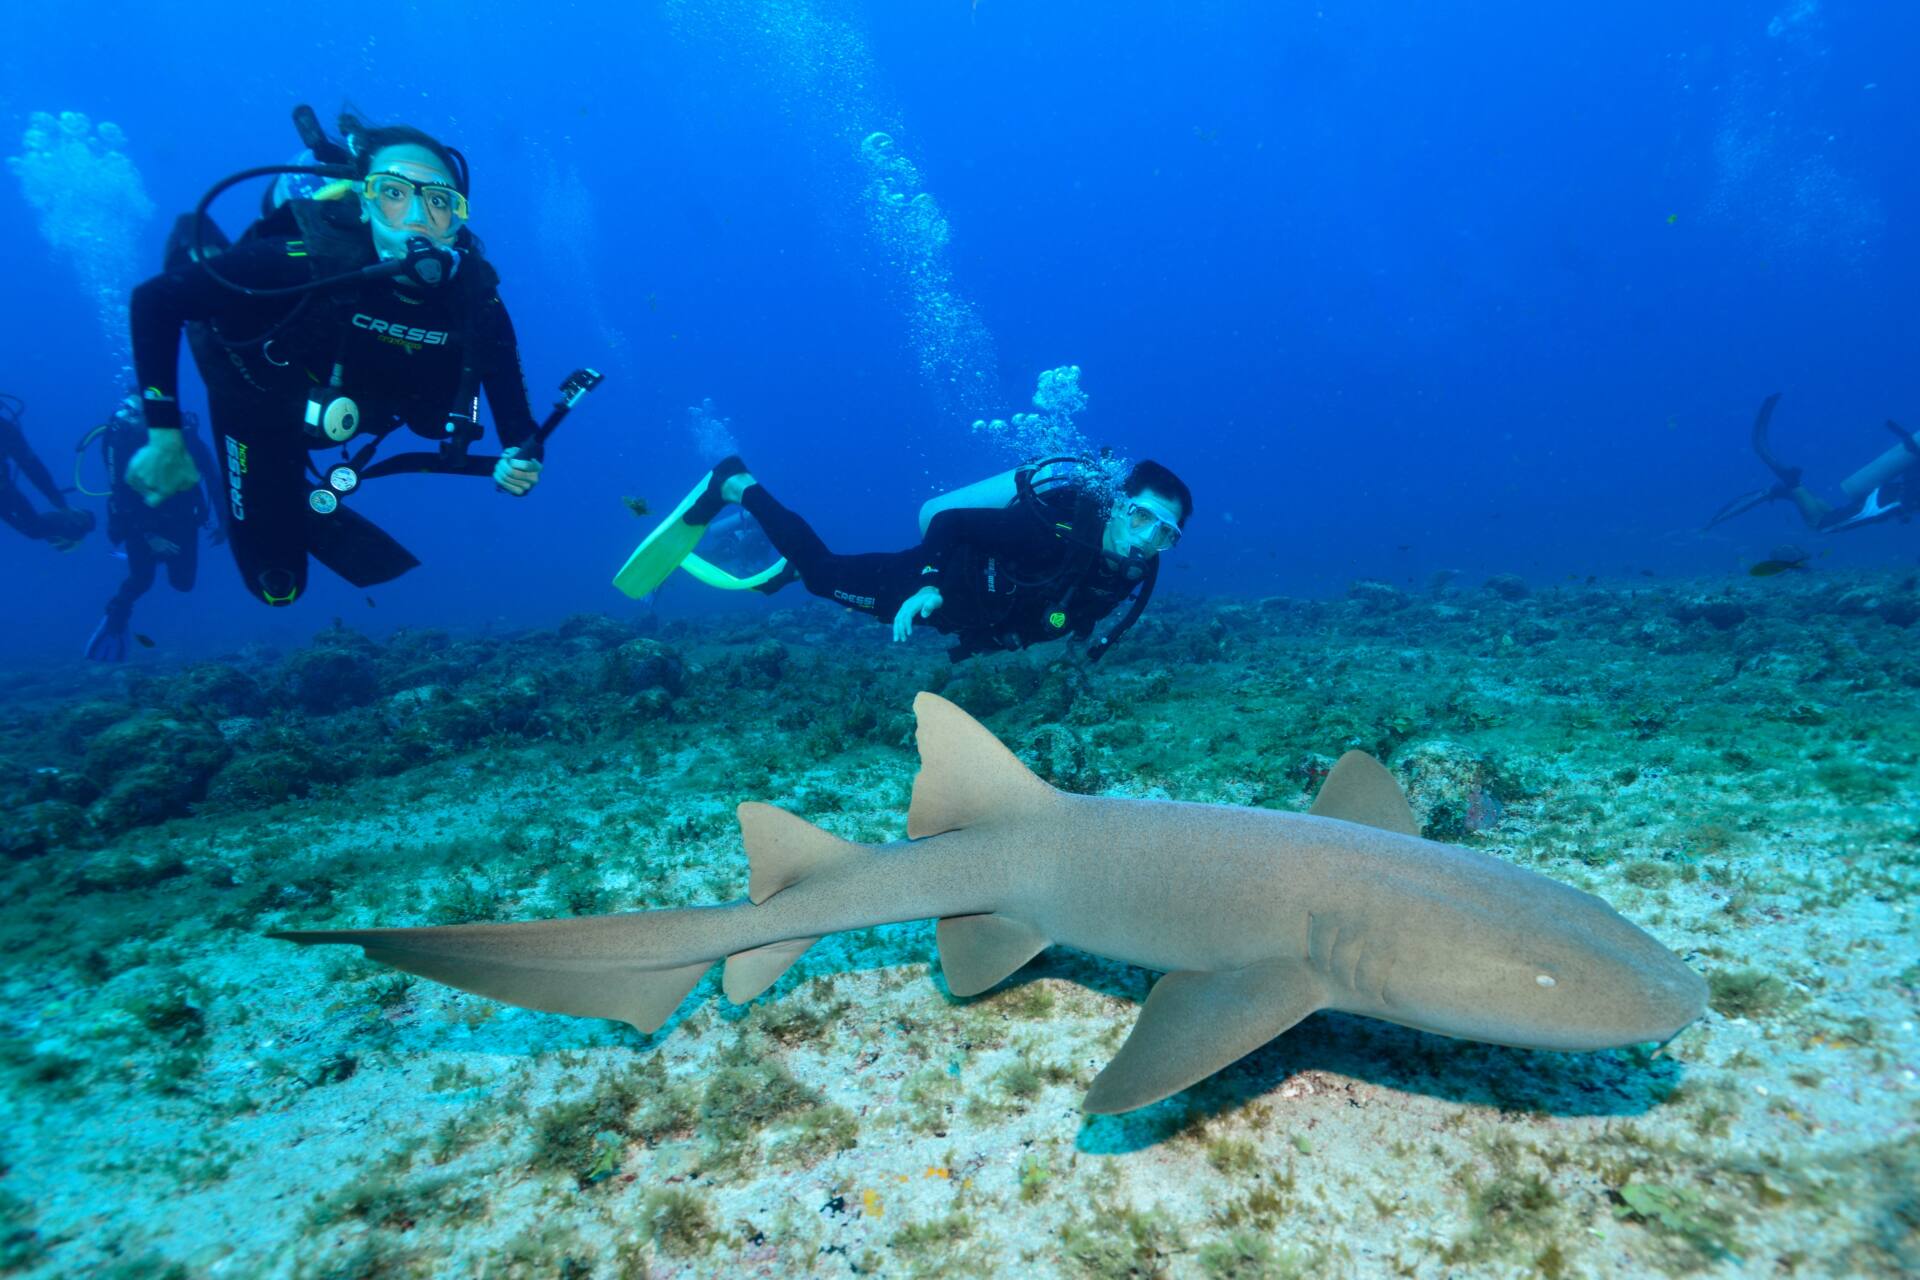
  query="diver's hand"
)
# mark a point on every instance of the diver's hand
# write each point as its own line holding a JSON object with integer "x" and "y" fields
{"x": 162, "y": 547}
{"x": 515, "y": 474}
{"x": 920, "y": 604}
{"x": 162, "y": 467}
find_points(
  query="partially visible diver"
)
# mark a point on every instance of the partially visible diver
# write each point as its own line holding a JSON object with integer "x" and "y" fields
{"x": 150, "y": 535}
{"x": 1887, "y": 487}
{"x": 1037, "y": 554}
{"x": 367, "y": 306}
{"x": 62, "y": 527}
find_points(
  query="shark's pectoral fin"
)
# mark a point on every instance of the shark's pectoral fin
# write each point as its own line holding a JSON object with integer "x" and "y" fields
{"x": 539, "y": 964}
{"x": 1194, "y": 1023}
{"x": 1359, "y": 789}
{"x": 966, "y": 776}
{"x": 978, "y": 951}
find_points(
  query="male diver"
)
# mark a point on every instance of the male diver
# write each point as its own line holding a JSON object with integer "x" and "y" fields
{"x": 63, "y": 526}
{"x": 1030, "y": 556}
{"x": 1887, "y": 487}
{"x": 150, "y": 536}
{"x": 348, "y": 314}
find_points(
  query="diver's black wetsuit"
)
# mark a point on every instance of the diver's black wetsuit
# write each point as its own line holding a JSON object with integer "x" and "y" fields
{"x": 15, "y": 509}
{"x": 407, "y": 354}
{"x": 174, "y": 523}
{"x": 1008, "y": 577}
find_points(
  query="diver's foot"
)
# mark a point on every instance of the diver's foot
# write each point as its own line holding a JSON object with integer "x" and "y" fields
{"x": 736, "y": 487}
{"x": 725, "y": 483}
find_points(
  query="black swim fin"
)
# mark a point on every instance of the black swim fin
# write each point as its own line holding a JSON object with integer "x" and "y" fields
{"x": 356, "y": 548}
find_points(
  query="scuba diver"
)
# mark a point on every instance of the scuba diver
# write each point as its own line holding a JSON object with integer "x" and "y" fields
{"x": 345, "y": 313}
{"x": 63, "y": 526}
{"x": 1032, "y": 555}
{"x": 168, "y": 533}
{"x": 1887, "y": 487}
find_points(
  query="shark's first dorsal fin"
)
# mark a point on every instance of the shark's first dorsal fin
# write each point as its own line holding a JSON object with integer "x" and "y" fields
{"x": 966, "y": 775}
{"x": 1359, "y": 789}
{"x": 782, "y": 850}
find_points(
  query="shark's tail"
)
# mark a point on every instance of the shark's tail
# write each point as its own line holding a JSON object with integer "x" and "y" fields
{"x": 634, "y": 968}
{"x": 638, "y": 967}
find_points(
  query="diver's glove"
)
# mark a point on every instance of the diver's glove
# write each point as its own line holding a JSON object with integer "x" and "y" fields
{"x": 162, "y": 467}
{"x": 69, "y": 526}
{"x": 515, "y": 474}
{"x": 920, "y": 604}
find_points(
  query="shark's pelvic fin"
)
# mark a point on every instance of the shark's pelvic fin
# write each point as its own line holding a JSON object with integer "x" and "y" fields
{"x": 782, "y": 850}
{"x": 978, "y": 951}
{"x": 966, "y": 776}
{"x": 1194, "y": 1023}
{"x": 1359, "y": 789}
{"x": 540, "y": 964}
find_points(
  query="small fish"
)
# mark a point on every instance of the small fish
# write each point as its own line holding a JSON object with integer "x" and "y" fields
{"x": 1647, "y": 573}
{"x": 1403, "y": 546}
{"x": 1767, "y": 568}
{"x": 636, "y": 505}
{"x": 1672, "y": 218}
{"x": 370, "y": 603}
{"x": 146, "y": 642}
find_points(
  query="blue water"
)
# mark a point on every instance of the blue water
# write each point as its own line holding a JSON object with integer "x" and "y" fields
{"x": 1396, "y": 287}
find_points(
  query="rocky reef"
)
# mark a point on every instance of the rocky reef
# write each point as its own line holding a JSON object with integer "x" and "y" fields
{"x": 1737, "y": 768}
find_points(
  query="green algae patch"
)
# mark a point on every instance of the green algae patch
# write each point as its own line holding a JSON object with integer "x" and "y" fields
{"x": 1679, "y": 1212}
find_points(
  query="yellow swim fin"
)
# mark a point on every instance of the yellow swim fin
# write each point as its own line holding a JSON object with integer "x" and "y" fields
{"x": 674, "y": 540}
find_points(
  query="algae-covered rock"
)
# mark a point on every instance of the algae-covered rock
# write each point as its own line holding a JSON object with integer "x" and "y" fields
{"x": 328, "y": 678}
{"x": 150, "y": 767}
{"x": 1721, "y": 612}
{"x": 1450, "y": 788}
{"x": 1377, "y": 597}
{"x": 644, "y": 666}
{"x": 42, "y": 826}
{"x": 592, "y": 632}
{"x": 217, "y": 691}
{"x": 258, "y": 779}
{"x": 78, "y": 725}
{"x": 1508, "y": 586}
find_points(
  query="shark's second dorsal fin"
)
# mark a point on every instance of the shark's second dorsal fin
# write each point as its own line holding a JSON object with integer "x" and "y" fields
{"x": 782, "y": 850}
{"x": 1359, "y": 789}
{"x": 966, "y": 776}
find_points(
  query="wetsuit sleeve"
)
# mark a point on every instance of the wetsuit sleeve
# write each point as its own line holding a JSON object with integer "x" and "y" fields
{"x": 500, "y": 374}
{"x": 32, "y": 468}
{"x": 996, "y": 529}
{"x": 163, "y": 305}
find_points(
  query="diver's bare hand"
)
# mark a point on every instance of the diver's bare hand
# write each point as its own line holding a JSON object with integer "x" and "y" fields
{"x": 515, "y": 474}
{"x": 162, "y": 467}
{"x": 920, "y": 604}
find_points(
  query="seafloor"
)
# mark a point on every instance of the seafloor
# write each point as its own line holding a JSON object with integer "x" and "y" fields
{"x": 1732, "y": 766}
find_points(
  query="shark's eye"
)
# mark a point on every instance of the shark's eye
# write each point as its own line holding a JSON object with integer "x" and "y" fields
{"x": 1545, "y": 980}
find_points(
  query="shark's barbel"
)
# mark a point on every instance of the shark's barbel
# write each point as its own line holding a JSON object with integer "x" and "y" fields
{"x": 1257, "y": 918}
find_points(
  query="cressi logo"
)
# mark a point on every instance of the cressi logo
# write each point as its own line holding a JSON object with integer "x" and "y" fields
{"x": 858, "y": 602}
{"x": 400, "y": 332}
{"x": 236, "y": 468}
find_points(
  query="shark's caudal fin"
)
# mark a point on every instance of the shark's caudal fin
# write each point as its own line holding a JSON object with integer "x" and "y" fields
{"x": 584, "y": 966}
{"x": 1359, "y": 789}
{"x": 782, "y": 850}
{"x": 967, "y": 778}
